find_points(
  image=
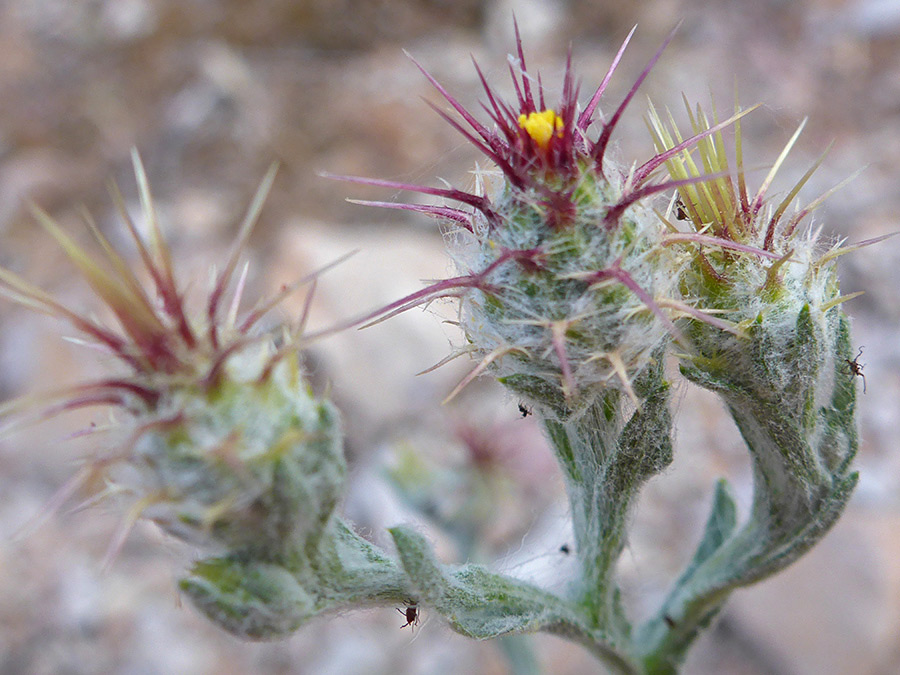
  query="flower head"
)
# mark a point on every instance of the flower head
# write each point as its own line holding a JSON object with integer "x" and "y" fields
{"x": 749, "y": 254}
{"x": 220, "y": 432}
{"x": 566, "y": 286}
{"x": 783, "y": 374}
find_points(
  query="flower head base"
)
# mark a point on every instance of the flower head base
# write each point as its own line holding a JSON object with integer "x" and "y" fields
{"x": 566, "y": 312}
{"x": 252, "y": 465}
{"x": 220, "y": 434}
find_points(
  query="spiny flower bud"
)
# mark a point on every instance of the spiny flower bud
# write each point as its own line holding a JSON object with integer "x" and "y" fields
{"x": 566, "y": 284}
{"x": 746, "y": 257}
{"x": 222, "y": 441}
{"x": 755, "y": 268}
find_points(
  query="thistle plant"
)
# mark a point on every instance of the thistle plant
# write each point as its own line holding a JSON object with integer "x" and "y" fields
{"x": 574, "y": 286}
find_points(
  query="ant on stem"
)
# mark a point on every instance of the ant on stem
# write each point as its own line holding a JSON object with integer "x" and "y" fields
{"x": 856, "y": 368}
{"x": 411, "y": 614}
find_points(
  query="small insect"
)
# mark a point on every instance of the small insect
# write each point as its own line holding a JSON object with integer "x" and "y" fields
{"x": 565, "y": 549}
{"x": 856, "y": 368}
{"x": 680, "y": 212}
{"x": 411, "y": 614}
{"x": 524, "y": 409}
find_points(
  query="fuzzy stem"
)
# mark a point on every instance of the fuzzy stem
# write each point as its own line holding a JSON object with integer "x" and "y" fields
{"x": 606, "y": 459}
{"x": 585, "y": 448}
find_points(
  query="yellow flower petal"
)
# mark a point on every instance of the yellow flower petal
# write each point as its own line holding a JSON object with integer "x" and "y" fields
{"x": 541, "y": 126}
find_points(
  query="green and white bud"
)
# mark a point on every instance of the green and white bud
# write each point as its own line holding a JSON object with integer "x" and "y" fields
{"x": 252, "y": 463}
{"x": 570, "y": 315}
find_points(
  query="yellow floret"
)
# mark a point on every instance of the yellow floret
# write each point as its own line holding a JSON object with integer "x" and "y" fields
{"x": 541, "y": 125}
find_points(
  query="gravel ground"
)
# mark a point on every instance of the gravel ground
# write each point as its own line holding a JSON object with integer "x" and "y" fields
{"x": 213, "y": 92}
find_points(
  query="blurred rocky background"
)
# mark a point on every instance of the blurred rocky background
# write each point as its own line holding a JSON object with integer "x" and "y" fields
{"x": 211, "y": 92}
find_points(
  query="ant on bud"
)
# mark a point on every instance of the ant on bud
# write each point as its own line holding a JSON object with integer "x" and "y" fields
{"x": 525, "y": 410}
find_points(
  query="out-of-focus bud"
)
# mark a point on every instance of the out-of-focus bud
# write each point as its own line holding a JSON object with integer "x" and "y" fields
{"x": 221, "y": 441}
{"x": 252, "y": 463}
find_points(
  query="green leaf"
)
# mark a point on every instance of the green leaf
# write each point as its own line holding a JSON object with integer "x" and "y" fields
{"x": 719, "y": 526}
{"x": 478, "y": 603}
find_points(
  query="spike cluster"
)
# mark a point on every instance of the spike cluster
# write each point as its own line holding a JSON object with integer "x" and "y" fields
{"x": 566, "y": 284}
{"x": 749, "y": 260}
{"x": 733, "y": 224}
{"x": 221, "y": 433}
